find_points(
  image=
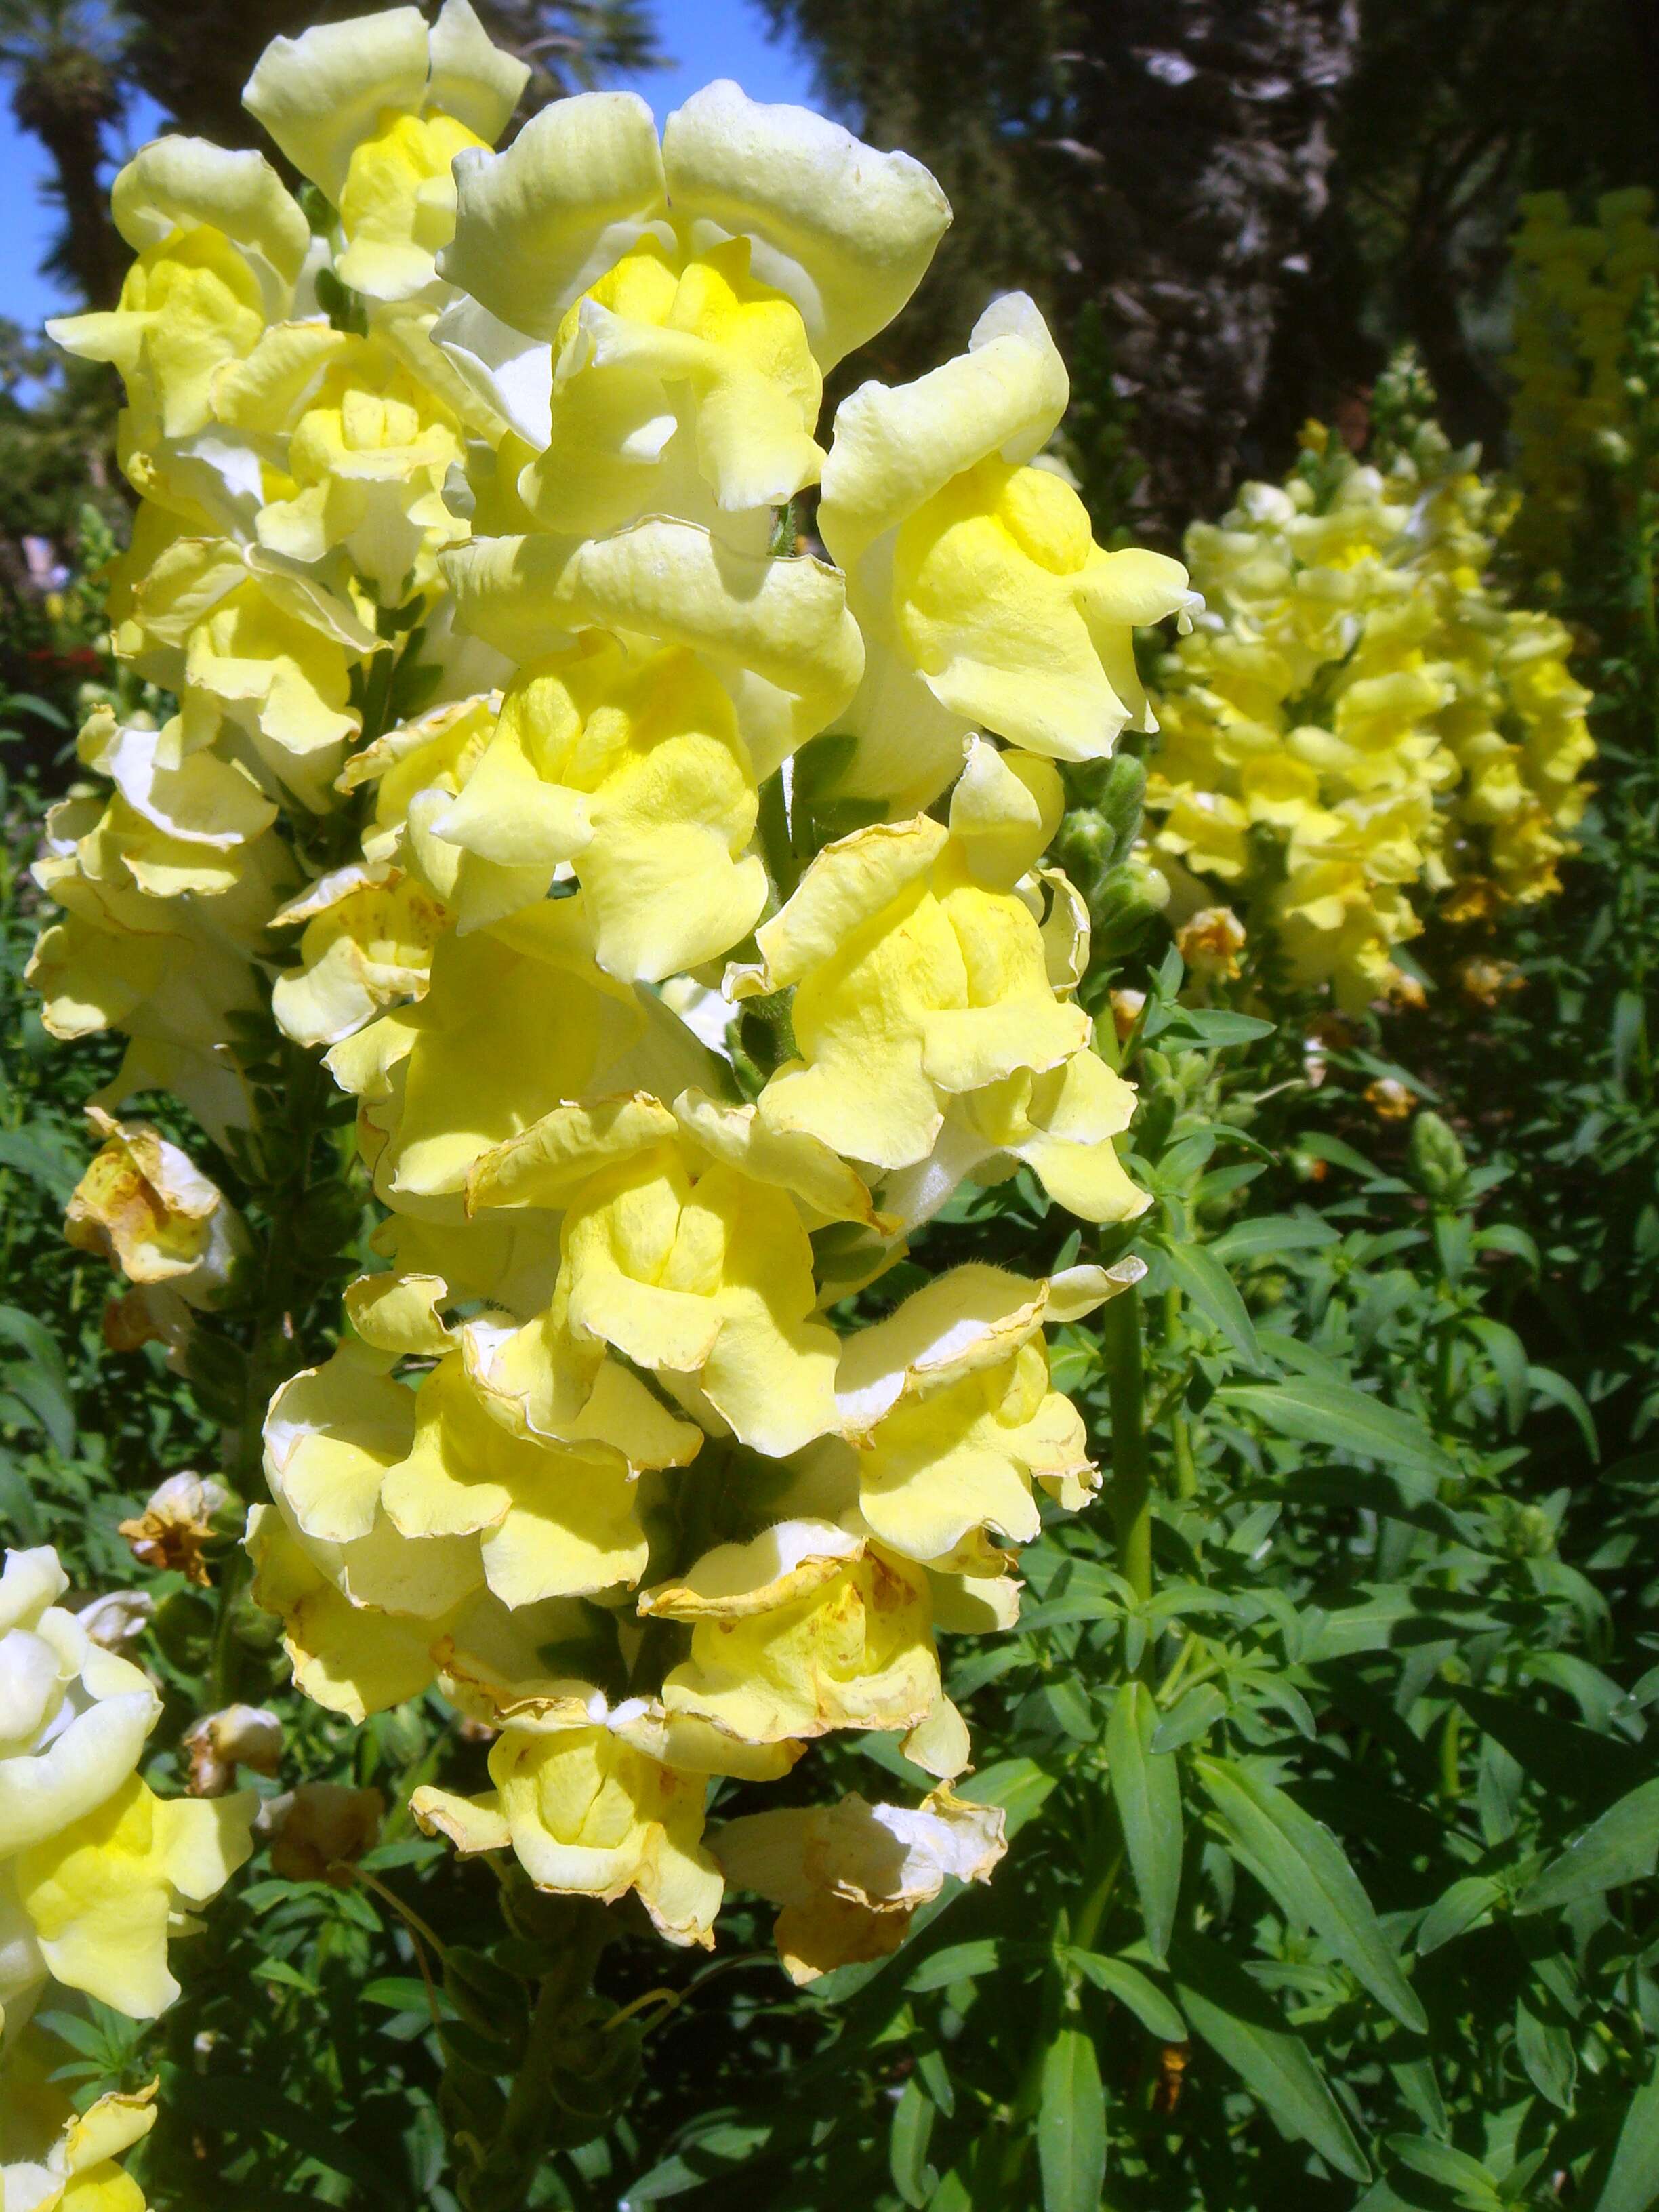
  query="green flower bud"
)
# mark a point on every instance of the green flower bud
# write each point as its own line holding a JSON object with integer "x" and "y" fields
{"x": 1127, "y": 900}
{"x": 1436, "y": 1158}
{"x": 1523, "y": 1531}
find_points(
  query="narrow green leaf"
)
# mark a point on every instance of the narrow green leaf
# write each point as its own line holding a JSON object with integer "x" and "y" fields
{"x": 1316, "y": 1411}
{"x": 1572, "y": 1761}
{"x": 402, "y": 1993}
{"x": 907, "y": 2146}
{"x": 935, "y": 2076}
{"x": 1189, "y": 1718}
{"x": 1467, "y": 2179}
{"x": 960, "y": 1962}
{"x": 1508, "y": 1356}
{"x": 1214, "y": 1026}
{"x": 1622, "y": 1846}
{"x": 1308, "y": 1871}
{"x": 1071, "y": 2125}
{"x": 1232, "y": 2016}
{"x": 1134, "y": 1989}
{"x": 1147, "y": 1791}
{"x": 1019, "y": 1786}
{"x": 1632, "y": 2182}
{"x": 1545, "y": 2048}
{"x": 1201, "y": 1277}
{"x": 1268, "y": 1235}
{"x": 1468, "y": 1904}
{"x": 1556, "y": 1388}
{"x": 33, "y": 1156}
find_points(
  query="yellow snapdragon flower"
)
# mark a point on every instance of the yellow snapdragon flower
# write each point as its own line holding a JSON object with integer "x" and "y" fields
{"x": 1361, "y": 719}
{"x": 655, "y": 321}
{"x": 975, "y": 576}
{"x": 78, "y": 2171}
{"x": 587, "y": 1814}
{"x": 94, "y": 1866}
{"x": 849, "y": 1877}
{"x": 374, "y": 113}
{"x": 932, "y": 1019}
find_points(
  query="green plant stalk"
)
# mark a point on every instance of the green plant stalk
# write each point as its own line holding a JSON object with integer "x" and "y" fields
{"x": 1130, "y": 1491}
{"x": 782, "y": 864}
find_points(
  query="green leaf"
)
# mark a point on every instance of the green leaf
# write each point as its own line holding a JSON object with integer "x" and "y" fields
{"x": 1189, "y": 1718}
{"x": 1133, "y": 1989}
{"x": 1019, "y": 1786}
{"x": 1572, "y": 1761}
{"x": 1336, "y": 1154}
{"x": 1465, "y": 2178}
{"x": 1268, "y": 1235}
{"x": 1468, "y": 1904}
{"x": 907, "y": 2147}
{"x": 1071, "y": 2125}
{"x": 1235, "y": 2019}
{"x": 1147, "y": 1791}
{"x": 1201, "y": 1277}
{"x": 1213, "y": 1026}
{"x": 30, "y": 1155}
{"x": 402, "y": 1993}
{"x": 1316, "y": 1412}
{"x": 1308, "y": 1872}
{"x": 1556, "y": 1388}
{"x": 1632, "y": 2182}
{"x": 961, "y": 1962}
{"x": 1545, "y": 2048}
{"x": 716, "y": 2151}
{"x": 1622, "y": 1846}
{"x": 278, "y": 1970}
{"x": 1509, "y": 1358}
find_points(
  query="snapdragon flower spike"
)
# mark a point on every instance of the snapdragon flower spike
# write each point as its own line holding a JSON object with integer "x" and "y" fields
{"x": 457, "y": 552}
{"x": 1361, "y": 699}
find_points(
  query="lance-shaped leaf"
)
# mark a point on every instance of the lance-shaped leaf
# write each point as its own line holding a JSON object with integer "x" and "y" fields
{"x": 1147, "y": 1794}
{"x": 1306, "y": 1870}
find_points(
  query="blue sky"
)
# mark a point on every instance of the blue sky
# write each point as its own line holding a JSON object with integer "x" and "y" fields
{"x": 707, "y": 39}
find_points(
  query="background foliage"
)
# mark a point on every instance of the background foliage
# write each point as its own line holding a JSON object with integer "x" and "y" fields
{"x": 1325, "y": 1739}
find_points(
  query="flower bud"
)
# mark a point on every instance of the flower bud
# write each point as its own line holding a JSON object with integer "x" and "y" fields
{"x": 1524, "y": 1532}
{"x": 1436, "y": 1157}
{"x": 1390, "y": 1099}
{"x": 117, "y": 1619}
{"x": 1125, "y": 902}
{"x": 178, "y": 1524}
{"x": 1209, "y": 942}
{"x": 319, "y": 1830}
{"x": 218, "y": 1743}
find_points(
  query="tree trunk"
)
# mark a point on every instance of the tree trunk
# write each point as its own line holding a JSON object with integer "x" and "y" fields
{"x": 1196, "y": 234}
{"x": 66, "y": 101}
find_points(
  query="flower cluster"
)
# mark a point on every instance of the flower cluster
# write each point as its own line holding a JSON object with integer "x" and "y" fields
{"x": 1361, "y": 720}
{"x": 672, "y": 901}
{"x": 1575, "y": 286}
{"x": 96, "y": 1871}
{"x": 289, "y": 428}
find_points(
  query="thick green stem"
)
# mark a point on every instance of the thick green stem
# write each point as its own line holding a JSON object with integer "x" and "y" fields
{"x": 1131, "y": 1493}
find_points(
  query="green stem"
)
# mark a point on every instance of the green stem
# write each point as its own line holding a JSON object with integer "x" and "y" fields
{"x": 773, "y": 824}
{"x": 1131, "y": 1493}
